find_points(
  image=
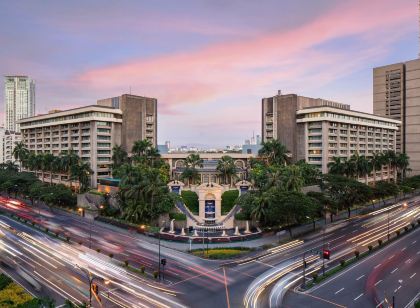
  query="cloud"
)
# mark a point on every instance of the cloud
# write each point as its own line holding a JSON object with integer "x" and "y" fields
{"x": 248, "y": 64}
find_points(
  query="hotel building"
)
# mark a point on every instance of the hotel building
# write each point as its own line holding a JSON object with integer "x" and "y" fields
{"x": 93, "y": 131}
{"x": 19, "y": 95}
{"x": 89, "y": 131}
{"x": 317, "y": 130}
{"x": 396, "y": 94}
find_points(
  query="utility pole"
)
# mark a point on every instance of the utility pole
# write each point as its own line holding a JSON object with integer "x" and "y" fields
{"x": 304, "y": 267}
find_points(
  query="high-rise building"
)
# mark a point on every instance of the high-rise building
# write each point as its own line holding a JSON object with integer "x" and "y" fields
{"x": 396, "y": 94}
{"x": 8, "y": 140}
{"x": 317, "y": 130}
{"x": 140, "y": 118}
{"x": 19, "y": 100}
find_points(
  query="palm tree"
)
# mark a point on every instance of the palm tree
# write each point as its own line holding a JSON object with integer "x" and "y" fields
{"x": 363, "y": 167}
{"x": 350, "y": 168}
{"x": 336, "y": 166}
{"x": 20, "y": 152}
{"x": 140, "y": 147}
{"x": 48, "y": 160}
{"x": 390, "y": 158}
{"x": 263, "y": 202}
{"x": 403, "y": 161}
{"x": 293, "y": 178}
{"x": 82, "y": 172}
{"x": 191, "y": 163}
{"x": 376, "y": 164}
{"x": 227, "y": 167}
{"x": 274, "y": 152}
{"x": 68, "y": 160}
{"x": 119, "y": 156}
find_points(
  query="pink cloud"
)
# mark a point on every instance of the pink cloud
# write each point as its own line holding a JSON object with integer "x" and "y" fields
{"x": 253, "y": 63}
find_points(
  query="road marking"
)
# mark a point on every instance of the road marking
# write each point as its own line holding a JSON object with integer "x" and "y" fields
{"x": 395, "y": 291}
{"x": 226, "y": 287}
{"x": 358, "y": 297}
{"x": 339, "y": 291}
{"x": 380, "y": 304}
{"x": 391, "y": 257}
{"x": 354, "y": 231}
{"x": 408, "y": 261}
{"x": 413, "y": 242}
{"x": 413, "y": 275}
{"x": 360, "y": 277}
{"x": 394, "y": 270}
{"x": 321, "y": 299}
{"x": 376, "y": 266}
{"x": 378, "y": 282}
{"x": 418, "y": 252}
{"x": 404, "y": 249}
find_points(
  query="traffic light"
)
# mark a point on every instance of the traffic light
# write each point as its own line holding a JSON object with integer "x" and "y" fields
{"x": 163, "y": 262}
{"x": 95, "y": 289}
{"x": 326, "y": 254}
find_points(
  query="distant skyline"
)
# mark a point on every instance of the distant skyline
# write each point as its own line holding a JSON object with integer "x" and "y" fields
{"x": 207, "y": 62}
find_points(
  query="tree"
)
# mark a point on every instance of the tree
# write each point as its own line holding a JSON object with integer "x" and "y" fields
{"x": 20, "y": 152}
{"x": 293, "y": 178}
{"x": 191, "y": 163}
{"x": 227, "y": 167}
{"x": 82, "y": 173}
{"x": 68, "y": 160}
{"x": 346, "y": 192}
{"x": 336, "y": 166}
{"x": 274, "y": 152}
{"x": 402, "y": 163}
{"x": 119, "y": 157}
{"x": 376, "y": 161}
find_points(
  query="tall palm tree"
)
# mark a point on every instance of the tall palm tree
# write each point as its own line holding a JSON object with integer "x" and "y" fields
{"x": 363, "y": 167}
{"x": 141, "y": 146}
{"x": 48, "y": 160}
{"x": 20, "y": 152}
{"x": 336, "y": 166}
{"x": 403, "y": 161}
{"x": 69, "y": 159}
{"x": 350, "y": 168}
{"x": 390, "y": 158}
{"x": 274, "y": 152}
{"x": 227, "y": 167}
{"x": 263, "y": 202}
{"x": 191, "y": 163}
{"x": 376, "y": 164}
{"x": 119, "y": 156}
{"x": 82, "y": 172}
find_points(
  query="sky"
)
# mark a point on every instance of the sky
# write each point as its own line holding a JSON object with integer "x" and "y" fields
{"x": 208, "y": 62}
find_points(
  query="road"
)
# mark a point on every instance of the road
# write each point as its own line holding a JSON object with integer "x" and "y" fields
{"x": 196, "y": 279}
{"x": 391, "y": 272}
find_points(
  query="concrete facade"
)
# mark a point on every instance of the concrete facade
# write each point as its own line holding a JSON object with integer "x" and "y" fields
{"x": 19, "y": 100}
{"x": 8, "y": 140}
{"x": 139, "y": 118}
{"x": 396, "y": 94}
{"x": 316, "y": 130}
{"x": 90, "y": 131}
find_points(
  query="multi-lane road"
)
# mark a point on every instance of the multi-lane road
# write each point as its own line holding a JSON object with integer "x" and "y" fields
{"x": 192, "y": 281}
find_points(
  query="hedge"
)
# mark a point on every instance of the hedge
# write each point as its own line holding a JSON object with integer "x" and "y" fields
{"x": 240, "y": 216}
{"x": 228, "y": 200}
{"x": 4, "y": 281}
{"x": 191, "y": 200}
{"x": 178, "y": 216}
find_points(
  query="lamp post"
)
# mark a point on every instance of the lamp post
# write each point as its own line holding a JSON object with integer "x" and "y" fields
{"x": 388, "y": 225}
{"x": 91, "y": 279}
{"x": 163, "y": 223}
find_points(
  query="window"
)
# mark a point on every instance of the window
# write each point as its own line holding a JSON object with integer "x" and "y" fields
{"x": 100, "y": 137}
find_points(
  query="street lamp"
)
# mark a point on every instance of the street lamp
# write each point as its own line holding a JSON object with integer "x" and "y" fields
{"x": 163, "y": 223}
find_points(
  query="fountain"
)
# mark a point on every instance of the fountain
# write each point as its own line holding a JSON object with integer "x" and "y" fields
{"x": 247, "y": 231}
{"x": 236, "y": 231}
{"x": 224, "y": 233}
{"x": 195, "y": 233}
{"x": 171, "y": 230}
{"x": 183, "y": 232}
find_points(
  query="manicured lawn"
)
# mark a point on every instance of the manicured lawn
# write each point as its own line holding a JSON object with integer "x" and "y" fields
{"x": 221, "y": 253}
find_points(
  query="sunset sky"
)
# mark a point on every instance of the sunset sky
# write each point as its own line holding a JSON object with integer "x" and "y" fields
{"x": 208, "y": 62}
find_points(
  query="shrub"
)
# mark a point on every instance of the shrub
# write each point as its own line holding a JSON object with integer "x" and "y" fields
{"x": 80, "y": 243}
{"x": 228, "y": 200}
{"x": 126, "y": 263}
{"x": 356, "y": 253}
{"x": 4, "y": 281}
{"x": 413, "y": 225}
{"x": 155, "y": 274}
{"x": 57, "y": 234}
{"x": 398, "y": 232}
{"x": 178, "y": 216}
{"x": 46, "y": 230}
{"x": 406, "y": 228}
{"x": 111, "y": 255}
{"x": 67, "y": 239}
{"x": 267, "y": 246}
{"x": 142, "y": 269}
{"x": 98, "y": 250}
{"x": 190, "y": 199}
{"x": 370, "y": 247}
{"x": 379, "y": 242}
{"x": 418, "y": 221}
{"x": 240, "y": 216}
{"x": 342, "y": 262}
{"x": 315, "y": 276}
